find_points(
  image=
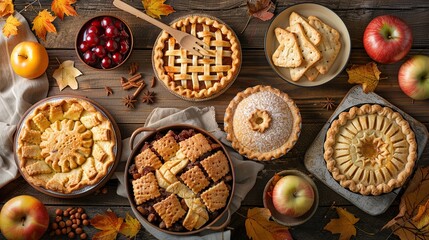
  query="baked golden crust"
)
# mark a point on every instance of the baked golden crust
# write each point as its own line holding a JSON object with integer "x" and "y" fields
{"x": 370, "y": 149}
{"x": 195, "y": 77}
{"x": 65, "y": 145}
{"x": 279, "y": 134}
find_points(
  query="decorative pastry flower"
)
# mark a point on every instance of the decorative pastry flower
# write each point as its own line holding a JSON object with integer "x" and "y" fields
{"x": 371, "y": 150}
{"x": 260, "y": 120}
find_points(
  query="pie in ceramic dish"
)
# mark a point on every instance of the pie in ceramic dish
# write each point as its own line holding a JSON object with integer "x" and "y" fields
{"x": 262, "y": 123}
{"x": 65, "y": 145}
{"x": 181, "y": 180}
{"x": 370, "y": 149}
{"x": 193, "y": 77}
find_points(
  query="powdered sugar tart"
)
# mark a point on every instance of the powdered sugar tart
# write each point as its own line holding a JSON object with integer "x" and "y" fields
{"x": 193, "y": 77}
{"x": 262, "y": 123}
{"x": 370, "y": 149}
{"x": 65, "y": 145}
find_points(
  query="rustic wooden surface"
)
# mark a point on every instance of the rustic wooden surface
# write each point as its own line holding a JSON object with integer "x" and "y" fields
{"x": 356, "y": 14}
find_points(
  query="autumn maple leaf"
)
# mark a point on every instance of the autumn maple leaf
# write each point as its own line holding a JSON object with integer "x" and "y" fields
{"x": 259, "y": 226}
{"x": 412, "y": 221}
{"x": 61, "y": 7}
{"x": 156, "y": 8}
{"x": 368, "y": 75}
{"x": 262, "y": 9}
{"x": 344, "y": 225}
{"x": 130, "y": 227}
{"x": 42, "y": 23}
{"x": 108, "y": 223}
{"x": 66, "y": 75}
{"x": 6, "y": 8}
{"x": 11, "y": 26}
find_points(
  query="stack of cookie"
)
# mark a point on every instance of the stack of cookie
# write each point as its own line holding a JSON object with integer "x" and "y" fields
{"x": 307, "y": 47}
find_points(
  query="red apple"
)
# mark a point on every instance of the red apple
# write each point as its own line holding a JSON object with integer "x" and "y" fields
{"x": 413, "y": 77}
{"x": 387, "y": 39}
{"x": 293, "y": 196}
{"x": 24, "y": 217}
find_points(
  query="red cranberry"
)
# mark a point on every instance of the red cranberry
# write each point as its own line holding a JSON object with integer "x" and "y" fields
{"x": 111, "y": 45}
{"x": 92, "y": 39}
{"x": 117, "y": 57}
{"x": 83, "y": 46}
{"x": 111, "y": 31}
{"x": 119, "y": 25}
{"x": 106, "y": 21}
{"x": 100, "y": 51}
{"x": 89, "y": 57}
{"x": 124, "y": 46}
{"x": 106, "y": 62}
{"x": 93, "y": 29}
{"x": 96, "y": 23}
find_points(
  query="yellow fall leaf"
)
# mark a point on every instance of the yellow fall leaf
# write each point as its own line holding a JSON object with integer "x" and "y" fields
{"x": 11, "y": 26}
{"x": 66, "y": 75}
{"x": 156, "y": 8}
{"x": 6, "y": 8}
{"x": 42, "y": 23}
{"x": 344, "y": 225}
{"x": 61, "y": 7}
{"x": 412, "y": 221}
{"x": 368, "y": 75}
{"x": 259, "y": 226}
{"x": 130, "y": 227}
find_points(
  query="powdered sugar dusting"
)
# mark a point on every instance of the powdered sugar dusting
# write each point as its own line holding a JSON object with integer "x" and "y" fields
{"x": 280, "y": 128}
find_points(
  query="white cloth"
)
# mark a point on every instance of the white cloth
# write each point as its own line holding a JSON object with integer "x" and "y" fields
{"x": 17, "y": 94}
{"x": 245, "y": 171}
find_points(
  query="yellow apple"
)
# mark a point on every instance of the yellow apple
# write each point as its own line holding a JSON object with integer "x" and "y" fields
{"x": 29, "y": 59}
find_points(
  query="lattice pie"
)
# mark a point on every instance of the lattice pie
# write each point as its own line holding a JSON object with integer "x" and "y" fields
{"x": 195, "y": 77}
{"x": 262, "y": 123}
{"x": 370, "y": 149}
{"x": 181, "y": 180}
{"x": 65, "y": 145}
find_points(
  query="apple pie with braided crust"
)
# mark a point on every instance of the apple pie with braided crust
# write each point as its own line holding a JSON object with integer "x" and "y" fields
{"x": 65, "y": 145}
{"x": 191, "y": 76}
{"x": 370, "y": 149}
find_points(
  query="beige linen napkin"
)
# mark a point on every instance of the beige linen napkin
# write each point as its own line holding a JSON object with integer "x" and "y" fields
{"x": 17, "y": 94}
{"x": 245, "y": 171}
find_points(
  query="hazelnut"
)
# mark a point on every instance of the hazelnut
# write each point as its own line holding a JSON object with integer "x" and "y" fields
{"x": 83, "y": 236}
{"x": 58, "y": 212}
{"x": 78, "y": 230}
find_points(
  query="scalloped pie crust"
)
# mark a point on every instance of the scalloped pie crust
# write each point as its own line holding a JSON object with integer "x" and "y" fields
{"x": 370, "y": 149}
{"x": 65, "y": 145}
{"x": 262, "y": 123}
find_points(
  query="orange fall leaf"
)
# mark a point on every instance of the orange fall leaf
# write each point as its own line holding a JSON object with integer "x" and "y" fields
{"x": 156, "y": 8}
{"x": 344, "y": 225}
{"x": 42, "y": 24}
{"x": 110, "y": 225}
{"x": 61, "y": 7}
{"x": 259, "y": 226}
{"x": 6, "y": 8}
{"x": 11, "y": 26}
{"x": 368, "y": 75}
{"x": 412, "y": 221}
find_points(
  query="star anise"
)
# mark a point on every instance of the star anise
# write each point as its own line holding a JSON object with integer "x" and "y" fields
{"x": 129, "y": 101}
{"x": 329, "y": 103}
{"x": 148, "y": 97}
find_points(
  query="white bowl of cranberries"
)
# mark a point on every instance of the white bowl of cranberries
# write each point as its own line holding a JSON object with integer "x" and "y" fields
{"x": 104, "y": 42}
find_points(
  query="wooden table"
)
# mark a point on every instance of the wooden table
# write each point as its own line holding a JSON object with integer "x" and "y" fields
{"x": 255, "y": 70}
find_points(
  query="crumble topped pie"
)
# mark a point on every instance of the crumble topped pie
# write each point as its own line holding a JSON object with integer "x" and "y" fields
{"x": 182, "y": 189}
{"x": 262, "y": 123}
{"x": 370, "y": 149}
{"x": 191, "y": 76}
{"x": 65, "y": 145}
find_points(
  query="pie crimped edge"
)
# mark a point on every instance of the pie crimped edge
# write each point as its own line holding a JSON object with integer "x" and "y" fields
{"x": 220, "y": 86}
{"x": 251, "y": 153}
{"x": 345, "y": 180}
{"x": 111, "y": 146}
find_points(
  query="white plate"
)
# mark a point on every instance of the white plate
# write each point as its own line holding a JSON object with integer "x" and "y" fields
{"x": 328, "y": 17}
